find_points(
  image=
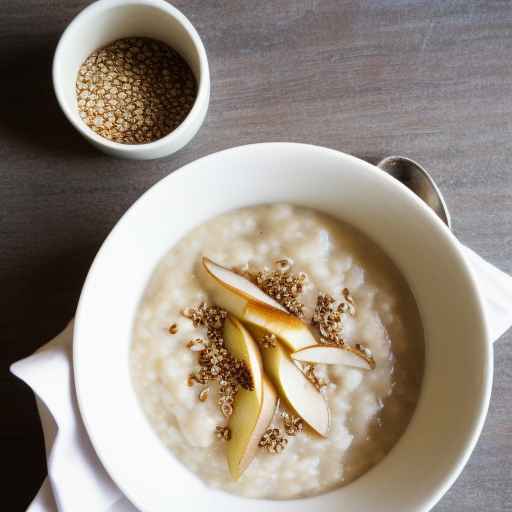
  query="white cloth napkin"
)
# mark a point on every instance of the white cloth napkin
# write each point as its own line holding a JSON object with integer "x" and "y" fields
{"x": 76, "y": 479}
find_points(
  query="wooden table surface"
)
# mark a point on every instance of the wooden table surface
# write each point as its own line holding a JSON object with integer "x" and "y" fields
{"x": 428, "y": 79}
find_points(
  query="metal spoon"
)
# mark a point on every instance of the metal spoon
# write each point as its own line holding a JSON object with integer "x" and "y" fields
{"x": 417, "y": 179}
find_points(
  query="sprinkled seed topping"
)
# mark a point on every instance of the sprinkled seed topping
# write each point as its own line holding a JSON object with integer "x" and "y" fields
{"x": 309, "y": 372}
{"x": 284, "y": 265}
{"x": 227, "y": 394}
{"x": 284, "y": 287}
{"x": 197, "y": 344}
{"x": 328, "y": 316}
{"x": 225, "y": 403}
{"x": 223, "y": 433}
{"x": 135, "y": 90}
{"x": 273, "y": 440}
{"x": 203, "y": 315}
{"x": 173, "y": 329}
{"x": 293, "y": 425}
{"x": 268, "y": 341}
{"x": 228, "y": 390}
{"x": 226, "y": 409}
{"x": 215, "y": 361}
{"x": 203, "y": 396}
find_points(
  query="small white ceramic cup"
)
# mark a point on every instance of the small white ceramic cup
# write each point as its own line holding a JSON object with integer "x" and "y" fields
{"x": 107, "y": 20}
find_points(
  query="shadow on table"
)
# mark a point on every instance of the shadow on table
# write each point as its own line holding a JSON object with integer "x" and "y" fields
{"x": 30, "y": 114}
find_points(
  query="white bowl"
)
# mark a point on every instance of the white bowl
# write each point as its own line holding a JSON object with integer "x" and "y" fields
{"x": 458, "y": 372}
{"x": 107, "y": 20}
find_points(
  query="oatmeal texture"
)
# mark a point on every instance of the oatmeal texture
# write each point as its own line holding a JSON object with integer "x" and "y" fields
{"x": 369, "y": 409}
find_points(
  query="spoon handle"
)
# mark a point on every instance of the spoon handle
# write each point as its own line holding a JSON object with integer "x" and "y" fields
{"x": 414, "y": 176}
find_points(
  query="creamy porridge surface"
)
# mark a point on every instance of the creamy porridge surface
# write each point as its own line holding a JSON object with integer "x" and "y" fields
{"x": 369, "y": 409}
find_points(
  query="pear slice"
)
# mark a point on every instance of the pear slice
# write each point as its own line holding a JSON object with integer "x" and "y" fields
{"x": 335, "y": 354}
{"x": 252, "y": 409}
{"x": 294, "y": 388}
{"x": 243, "y": 347}
{"x": 243, "y": 299}
{"x": 240, "y": 286}
{"x": 248, "y": 423}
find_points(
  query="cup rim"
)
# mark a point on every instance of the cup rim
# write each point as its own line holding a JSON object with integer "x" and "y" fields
{"x": 203, "y": 79}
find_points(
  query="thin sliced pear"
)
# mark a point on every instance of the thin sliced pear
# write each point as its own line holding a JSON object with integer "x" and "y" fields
{"x": 294, "y": 388}
{"x": 242, "y": 346}
{"x": 252, "y": 409}
{"x": 247, "y": 302}
{"x": 248, "y": 423}
{"x": 330, "y": 354}
{"x": 240, "y": 286}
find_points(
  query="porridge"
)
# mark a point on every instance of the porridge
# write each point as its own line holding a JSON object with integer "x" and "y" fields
{"x": 357, "y": 312}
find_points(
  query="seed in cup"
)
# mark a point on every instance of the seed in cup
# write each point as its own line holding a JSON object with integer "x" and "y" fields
{"x": 135, "y": 90}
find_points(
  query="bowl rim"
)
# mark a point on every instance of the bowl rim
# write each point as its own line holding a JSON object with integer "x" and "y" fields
{"x": 463, "y": 456}
{"x": 203, "y": 79}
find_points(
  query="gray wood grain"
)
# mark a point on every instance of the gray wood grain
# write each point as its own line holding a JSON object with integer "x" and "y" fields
{"x": 428, "y": 79}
